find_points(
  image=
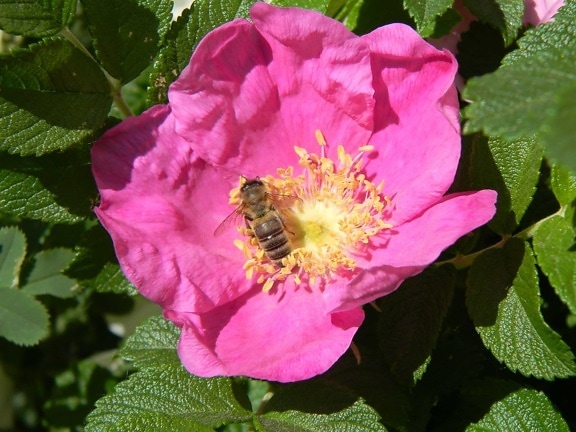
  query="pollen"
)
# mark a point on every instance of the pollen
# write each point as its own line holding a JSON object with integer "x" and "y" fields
{"x": 331, "y": 213}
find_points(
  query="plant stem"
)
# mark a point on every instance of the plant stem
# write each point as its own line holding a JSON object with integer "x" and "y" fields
{"x": 463, "y": 261}
{"x": 527, "y": 233}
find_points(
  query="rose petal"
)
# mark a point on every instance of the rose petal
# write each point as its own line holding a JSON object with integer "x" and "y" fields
{"x": 247, "y": 112}
{"x": 161, "y": 206}
{"x": 416, "y": 134}
{"x": 408, "y": 249}
{"x": 370, "y": 284}
{"x": 285, "y": 335}
{"x": 421, "y": 240}
{"x": 540, "y": 11}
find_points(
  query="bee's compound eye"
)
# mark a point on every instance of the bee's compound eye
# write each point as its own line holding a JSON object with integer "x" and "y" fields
{"x": 250, "y": 184}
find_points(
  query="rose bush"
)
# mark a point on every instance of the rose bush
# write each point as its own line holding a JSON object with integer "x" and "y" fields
{"x": 364, "y": 130}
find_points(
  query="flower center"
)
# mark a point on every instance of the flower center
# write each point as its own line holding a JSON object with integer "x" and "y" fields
{"x": 329, "y": 213}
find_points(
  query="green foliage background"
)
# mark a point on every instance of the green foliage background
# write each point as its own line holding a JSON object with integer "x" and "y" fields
{"x": 482, "y": 340}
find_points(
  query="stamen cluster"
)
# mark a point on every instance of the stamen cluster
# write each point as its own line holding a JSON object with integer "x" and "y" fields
{"x": 335, "y": 212}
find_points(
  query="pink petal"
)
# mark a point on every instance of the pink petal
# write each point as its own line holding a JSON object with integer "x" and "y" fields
{"x": 285, "y": 335}
{"x": 241, "y": 106}
{"x": 409, "y": 248}
{"x": 437, "y": 228}
{"x": 370, "y": 284}
{"x": 161, "y": 206}
{"x": 417, "y": 135}
{"x": 540, "y": 11}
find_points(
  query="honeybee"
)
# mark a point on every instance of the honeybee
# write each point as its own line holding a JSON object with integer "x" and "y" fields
{"x": 260, "y": 210}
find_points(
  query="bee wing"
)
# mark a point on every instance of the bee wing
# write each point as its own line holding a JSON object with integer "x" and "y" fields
{"x": 233, "y": 218}
{"x": 284, "y": 202}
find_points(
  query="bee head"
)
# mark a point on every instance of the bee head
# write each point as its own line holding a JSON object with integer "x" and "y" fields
{"x": 252, "y": 189}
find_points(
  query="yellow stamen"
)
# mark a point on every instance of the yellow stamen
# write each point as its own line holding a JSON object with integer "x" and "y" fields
{"x": 242, "y": 246}
{"x": 267, "y": 285}
{"x": 366, "y": 148}
{"x": 320, "y": 137}
{"x": 332, "y": 222}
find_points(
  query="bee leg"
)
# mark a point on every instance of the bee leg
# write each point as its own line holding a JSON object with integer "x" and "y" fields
{"x": 292, "y": 233}
{"x": 249, "y": 229}
{"x": 281, "y": 217}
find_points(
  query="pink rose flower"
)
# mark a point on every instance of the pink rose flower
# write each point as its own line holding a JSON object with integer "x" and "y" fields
{"x": 363, "y": 130}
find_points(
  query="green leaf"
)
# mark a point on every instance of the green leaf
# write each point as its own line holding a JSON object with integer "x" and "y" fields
{"x": 315, "y": 396}
{"x": 93, "y": 252}
{"x": 167, "y": 399}
{"x": 95, "y": 264}
{"x": 127, "y": 33}
{"x": 444, "y": 23}
{"x": 12, "y": 253}
{"x": 495, "y": 404}
{"x": 334, "y": 6}
{"x": 513, "y": 101}
{"x": 162, "y": 396}
{"x": 504, "y": 15}
{"x": 518, "y": 163}
{"x": 559, "y": 128}
{"x": 153, "y": 344}
{"x": 358, "y": 418}
{"x": 24, "y": 195}
{"x": 23, "y": 320}
{"x": 112, "y": 279}
{"x": 344, "y": 384}
{"x": 411, "y": 320}
{"x": 46, "y": 277}
{"x": 36, "y": 18}
{"x": 512, "y": 168}
{"x": 317, "y": 5}
{"x": 74, "y": 393}
{"x": 348, "y": 14}
{"x": 40, "y": 188}
{"x": 504, "y": 303}
{"x": 458, "y": 358}
{"x": 553, "y": 244}
{"x": 563, "y": 184}
{"x": 372, "y": 15}
{"x": 184, "y": 36}
{"x": 335, "y": 399}
{"x": 426, "y": 12}
{"x": 52, "y": 97}
{"x": 521, "y": 410}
